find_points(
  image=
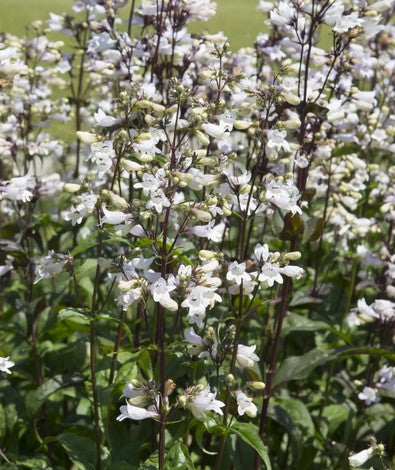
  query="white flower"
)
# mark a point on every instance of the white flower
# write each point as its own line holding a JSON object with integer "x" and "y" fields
{"x": 352, "y": 319}
{"x": 276, "y": 140}
{"x": 284, "y": 196}
{"x": 55, "y": 22}
{"x": 292, "y": 271}
{"x": 135, "y": 412}
{"x": 364, "y": 100}
{"x": 203, "y": 403}
{"x": 114, "y": 217}
{"x": 197, "y": 342}
{"x": 385, "y": 309}
{"x": 18, "y": 189}
{"x": 158, "y": 200}
{"x": 237, "y": 273}
{"x": 245, "y": 405}
{"x": 217, "y": 131}
{"x": 130, "y": 391}
{"x": 102, "y": 156}
{"x": 365, "y": 311}
{"x": 368, "y": 395}
{"x": 126, "y": 299}
{"x": 103, "y": 120}
{"x": 265, "y": 6}
{"x": 210, "y": 231}
{"x": 261, "y": 252}
{"x": 6, "y": 268}
{"x": 246, "y": 356}
{"x": 356, "y": 460}
{"x": 270, "y": 273}
{"x": 149, "y": 183}
{"x": 197, "y": 300}
{"x": 50, "y": 265}
{"x": 6, "y": 364}
{"x": 283, "y": 15}
{"x": 160, "y": 292}
{"x": 82, "y": 210}
{"x": 387, "y": 378}
{"x": 346, "y": 22}
{"x": 146, "y": 144}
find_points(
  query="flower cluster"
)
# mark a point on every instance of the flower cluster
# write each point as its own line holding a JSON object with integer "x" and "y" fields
{"x": 216, "y": 226}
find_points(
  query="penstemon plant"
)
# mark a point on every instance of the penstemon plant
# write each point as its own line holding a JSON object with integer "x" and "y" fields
{"x": 197, "y": 264}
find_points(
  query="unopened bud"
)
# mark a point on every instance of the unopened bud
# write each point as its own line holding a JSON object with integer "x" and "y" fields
{"x": 71, "y": 187}
{"x": 202, "y": 138}
{"x": 207, "y": 254}
{"x": 182, "y": 400}
{"x": 86, "y": 137}
{"x": 257, "y": 385}
{"x": 292, "y": 255}
{"x": 118, "y": 201}
{"x": 242, "y": 125}
{"x": 130, "y": 165}
{"x": 230, "y": 380}
{"x": 169, "y": 387}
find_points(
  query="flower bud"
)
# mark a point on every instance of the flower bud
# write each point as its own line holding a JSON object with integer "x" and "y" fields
{"x": 182, "y": 400}
{"x": 202, "y": 138}
{"x": 242, "y": 125}
{"x": 118, "y": 201}
{"x": 140, "y": 400}
{"x": 203, "y": 216}
{"x": 230, "y": 380}
{"x": 71, "y": 187}
{"x": 292, "y": 255}
{"x": 124, "y": 286}
{"x": 144, "y": 157}
{"x": 130, "y": 165}
{"x": 207, "y": 254}
{"x": 169, "y": 387}
{"x": 257, "y": 385}
{"x": 290, "y": 98}
{"x": 86, "y": 137}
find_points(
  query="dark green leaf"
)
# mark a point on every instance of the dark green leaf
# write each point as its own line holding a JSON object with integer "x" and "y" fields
{"x": 36, "y": 398}
{"x": 80, "y": 450}
{"x": 248, "y": 432}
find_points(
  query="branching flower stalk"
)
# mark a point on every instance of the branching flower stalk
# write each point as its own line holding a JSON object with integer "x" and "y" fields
{"x": 209, "y": 212}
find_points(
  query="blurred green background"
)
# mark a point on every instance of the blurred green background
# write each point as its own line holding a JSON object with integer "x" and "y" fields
{"x": 238, "y": 19}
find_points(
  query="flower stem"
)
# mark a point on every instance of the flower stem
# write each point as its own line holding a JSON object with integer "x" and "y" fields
{"x": 92, "y": 350}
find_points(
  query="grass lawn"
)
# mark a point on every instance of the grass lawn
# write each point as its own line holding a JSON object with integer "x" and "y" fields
{"x": 238, "y": 19}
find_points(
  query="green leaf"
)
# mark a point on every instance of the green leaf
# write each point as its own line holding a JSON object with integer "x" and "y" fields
{"x": 299, "y": 413}
{"x": 3, "y": 422}
{"x": 125, "y": 327}
{"x": 178, "y": 458}
{"x": 36, "y": 398}
{"x": 80, "y": 450}
{"x": 313, "y": 228}
{"x": 351, "y": 351}
{"x": 76, "y": 315}
{"x": 248, "y": 432}
{"x": 152, "y": 463}
{"x": 293, "y": 227}
{"x": 299, "y": 367}
{"x": 38, "y": 463}
{"x": 295, "y": 322}
{"x": 200, "y": 430}
{"x": 335, "y": 415}
{"x": 86, "y": 244}
{"x": 277, "y": 223}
